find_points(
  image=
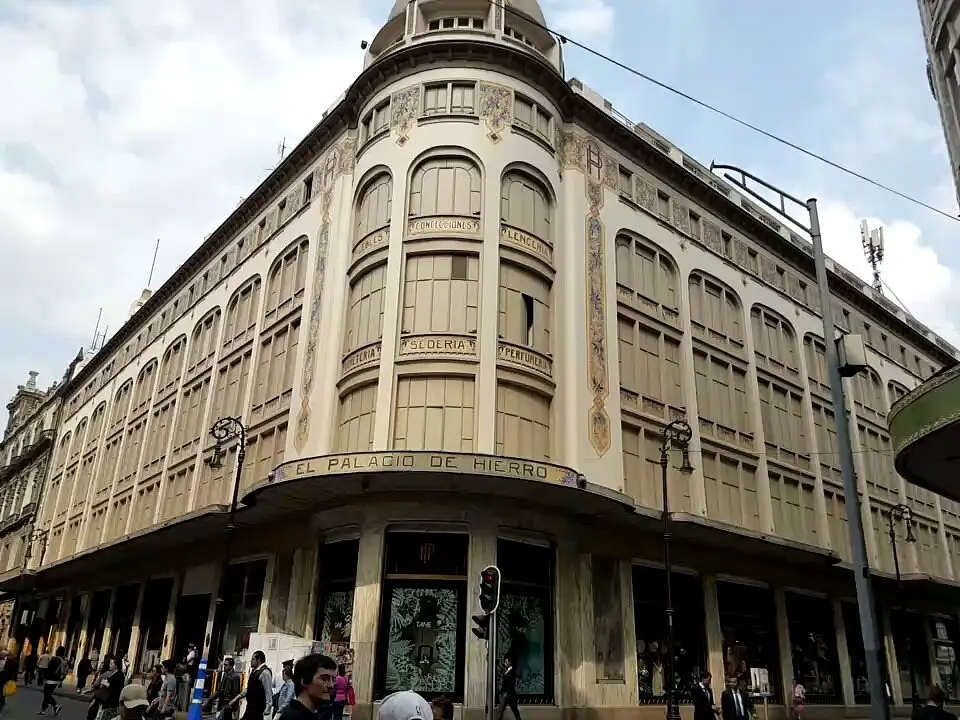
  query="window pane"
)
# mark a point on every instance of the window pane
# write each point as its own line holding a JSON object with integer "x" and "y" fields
{"x": 813, "y": 645}
{"x": 748, "y": 625}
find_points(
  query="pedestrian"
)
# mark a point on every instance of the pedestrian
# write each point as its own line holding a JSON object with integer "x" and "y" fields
{"x": 133, "y": 703}
{"x": 84, "y": 668}
{"x": 259, "y": 692}
{"x": 8, "y": 673}
{"x": 30, "y": 668}
{"x": 313, "y": 677}
{"x": 342, "y": 692}
{"x": 508, "y": 689}
{"x": 228, "y": 688}
{"x": 287, "y": 691}
{"x": 404, "y": 705}
{"x": 53, "y": 673}
{"x": 442, "y": 708}
{"x": 42, "y": 662}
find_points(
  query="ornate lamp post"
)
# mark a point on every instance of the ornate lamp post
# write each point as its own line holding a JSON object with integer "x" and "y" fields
{"x": 226, "y": 430}
{"x": 676, "y": 435}
{"x": 904, "y": 513}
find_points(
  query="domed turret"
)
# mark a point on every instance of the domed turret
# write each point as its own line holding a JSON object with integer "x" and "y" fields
{"x": 520, "y": 23}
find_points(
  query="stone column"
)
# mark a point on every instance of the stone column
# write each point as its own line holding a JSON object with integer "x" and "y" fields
{"x": 61, "y": 635}
{"x": 931, "y": 652}
{"x": 135, "y": 630}
{"x": 168, "y": 630}
{"x": 893, "y": 667}
{"x": 108, "y": 625}
{"x": 714, "y": 632}
{"x": 843, "y": 654}
{"x": 483, "y": 552}
{"x": 574, "y": 609}
{"x": 366, "y": 616}
{"x": 86, "y": 600}
{"x": 783, "y": 641}
{"x": 302, "y": 600}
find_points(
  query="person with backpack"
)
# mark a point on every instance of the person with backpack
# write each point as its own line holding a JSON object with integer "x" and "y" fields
{"x": 52, "y": 677}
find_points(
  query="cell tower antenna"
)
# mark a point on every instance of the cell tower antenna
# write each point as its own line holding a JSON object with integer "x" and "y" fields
{"x": 281, "y": 150}
{"x": 153, "y": 265}
{"x": 872, "y": 241}
{"x": 96, "y": 330}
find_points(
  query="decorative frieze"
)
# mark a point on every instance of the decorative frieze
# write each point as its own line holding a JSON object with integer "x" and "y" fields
{"x": 404, "y": 110}
{"x": 496, "y": 108}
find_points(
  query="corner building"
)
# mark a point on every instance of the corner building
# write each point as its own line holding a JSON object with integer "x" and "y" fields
{"x": 470, "y": 285}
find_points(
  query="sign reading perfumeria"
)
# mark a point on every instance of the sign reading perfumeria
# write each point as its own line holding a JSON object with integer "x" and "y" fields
{"x": 379, "y": 462}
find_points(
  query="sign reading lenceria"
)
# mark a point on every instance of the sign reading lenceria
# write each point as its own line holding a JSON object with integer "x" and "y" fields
{"x": 428, "y": 462}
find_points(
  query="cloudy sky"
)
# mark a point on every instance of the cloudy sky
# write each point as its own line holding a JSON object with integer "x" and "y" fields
{"x": 126, "y": 121}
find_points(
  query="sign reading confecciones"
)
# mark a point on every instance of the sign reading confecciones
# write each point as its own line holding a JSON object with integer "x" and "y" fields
{"x": 429, "y": 462}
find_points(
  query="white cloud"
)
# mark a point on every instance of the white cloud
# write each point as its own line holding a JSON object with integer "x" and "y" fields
{"x": 582, "y": 20}
{"x": 134, "y": 121}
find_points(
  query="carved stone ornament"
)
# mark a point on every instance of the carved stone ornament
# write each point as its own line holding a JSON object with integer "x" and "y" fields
{"x": 404, "y": 110}
{"x": 496, "y": 109}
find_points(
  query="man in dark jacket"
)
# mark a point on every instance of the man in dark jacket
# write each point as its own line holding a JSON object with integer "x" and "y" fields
{"x": 228, "y": 689}
{"x": 704, "y": 707}
{"x": 508, "y": 690}
{"x": 313, "y": 677}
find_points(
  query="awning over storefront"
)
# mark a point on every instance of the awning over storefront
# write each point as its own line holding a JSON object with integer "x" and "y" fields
{"x": 138, "y": 547}
{"x": 335, "y": 478}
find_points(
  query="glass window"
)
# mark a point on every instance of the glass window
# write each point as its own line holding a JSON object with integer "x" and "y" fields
{"x": 858, "y": 658}
{"x": 946, "y": 635}
{"x": 338, "y": 580}
{"x": 813, "y": 642}
{"x": 749, "y": 628}
{"x": 243, "y": 596}
{"x": 525, "y": 617}
{"x": 911, "y": 649}
{"x": 422, "y": 633}
{"x": 689, "y": 636}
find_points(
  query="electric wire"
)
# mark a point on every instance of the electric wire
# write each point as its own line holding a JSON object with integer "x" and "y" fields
{"x": 729, "y": 116}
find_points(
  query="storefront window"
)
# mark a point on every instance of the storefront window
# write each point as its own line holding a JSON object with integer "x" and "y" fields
{"x": 813, "y": 647}
{"x": 748, "y": 623}
{"x": 649, "y": 606}
{"x": 423, "y": 605}
{"x": 945, "y": 645}
{"x": 243, "y": 596}
{"x": 338, "y": 580}
{"x": 911, "y": 649}
{"x": 525, "y": 617}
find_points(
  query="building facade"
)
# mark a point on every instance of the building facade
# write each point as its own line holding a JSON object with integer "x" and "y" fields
{"x": 454, "y": 323}
{"x": 941, "y": 29}
{"x": 25, "y": 452}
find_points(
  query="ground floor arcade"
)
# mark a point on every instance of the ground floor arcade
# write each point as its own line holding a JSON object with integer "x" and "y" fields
{"x": 392, "y": 576}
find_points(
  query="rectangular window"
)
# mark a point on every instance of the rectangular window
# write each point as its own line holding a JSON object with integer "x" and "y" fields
{"x": 749, "y": 632}
{"x": 626, "y": 182}
{"x": 530, "y": 116}
{"x": 244, "y": 584}
{"x": 814, "y": 643}
{"x": 337, "y": 583}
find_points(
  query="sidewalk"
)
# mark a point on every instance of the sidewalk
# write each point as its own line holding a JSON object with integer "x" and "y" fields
{"x": 69, "y": 691}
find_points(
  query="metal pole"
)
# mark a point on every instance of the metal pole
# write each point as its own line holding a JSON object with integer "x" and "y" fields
{"x": 224, "y": 430}
{"x": 672, "y": 709}
{"x": 868, "y": 618}
{"x": 896, "y": 567}
{"x": 492, "y": 667}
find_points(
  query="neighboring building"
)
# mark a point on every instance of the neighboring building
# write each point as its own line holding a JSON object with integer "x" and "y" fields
{"x": 454, "y": 321}
{"x": 24, "y": 459}
{"x": 941, "y": 31}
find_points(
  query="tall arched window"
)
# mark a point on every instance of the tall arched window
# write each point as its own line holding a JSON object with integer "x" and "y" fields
{"x": 895, "y": 391}
{"x": 647, "y": 278}
{"x": 240, "y": 320}
{"x": 365, "y": 308}
{"x": 62, "y": 452}
{"x": 203, "y": 342}
{"x": 171, "y": 367}
{"x": 445, "y": 186}
{"x": 286, "y": 281}
{"x": 78, "y": 439}
{"x": 716, "y": 313}
{"x": 815, "y": 353}
{"x": 143, "y": 390}
{"x": 374, "y": 206}
{"x": 774, "y": 342}
{"x": 525, "y": 205}
{"x": 868, "y": 396}
{"x": 95, "y": 432}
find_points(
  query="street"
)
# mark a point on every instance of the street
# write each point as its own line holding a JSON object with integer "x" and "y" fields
{"x": 26, "y": 703}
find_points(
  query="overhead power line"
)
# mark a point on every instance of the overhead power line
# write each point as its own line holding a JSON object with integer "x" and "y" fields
{"x": 729, "y": 116}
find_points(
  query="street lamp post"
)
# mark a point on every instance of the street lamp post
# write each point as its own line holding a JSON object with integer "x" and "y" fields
{"x": 851, "y": 494}
{"x": 904, "y": 513}
{"x": 677, "y": 435}
{"x": 224, "y": 431}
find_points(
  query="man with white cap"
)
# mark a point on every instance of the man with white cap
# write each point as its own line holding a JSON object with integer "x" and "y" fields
{"x": 405, "y": 705}
{"x": 133, "y": 702}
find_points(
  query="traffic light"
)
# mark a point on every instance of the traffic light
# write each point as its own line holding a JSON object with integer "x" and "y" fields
{"x": 490, "y": 589}
{"x": 482, "y": 629}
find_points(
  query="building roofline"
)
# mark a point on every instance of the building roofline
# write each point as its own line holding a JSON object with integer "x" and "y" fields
{"x": 504, "y": 58}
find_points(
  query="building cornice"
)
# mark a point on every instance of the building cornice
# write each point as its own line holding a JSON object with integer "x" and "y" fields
{"x": 525, "y": 66}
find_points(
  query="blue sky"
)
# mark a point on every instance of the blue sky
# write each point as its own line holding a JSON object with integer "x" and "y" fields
{"x": 135, "y": 121}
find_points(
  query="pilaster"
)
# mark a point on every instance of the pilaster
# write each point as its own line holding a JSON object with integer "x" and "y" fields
{"x": 483, "y": 552}
{"x": 108, "y": 625}
{"x": 714, "y": 632}
{"x": 86, "y": 600}
{"x": 783, "y": 640}
{"x": 893, "y": 667}
{"x": 263, "y": 623}
{"x": 137, "y": 619}
{"x": 302, "y": 600}
{"x": 366, "y": 612}
{"x": 168, "y": 628}
{"x": 843, "y": 653}
{"x": 764, "y": 499}
{"x": 688, "y": 385}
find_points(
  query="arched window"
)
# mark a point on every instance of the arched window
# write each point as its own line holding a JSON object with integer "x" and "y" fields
{"x": 647, "y": 278}
{"x": 240, "y": 321}
{"x": 143, "y": 391}
{"x": 203, "y": 342}
{"x": 78, "y": 438}
{"x": 96, "y": 426}
{"x": 365, "y": 308}
{"x": 121, "y": 405}
{"x": 171, "y": 368}
{"x": 868, "y": 396}
{"x": 815, "y": 354}
{"x": 774, "y": 342}
{"x": 374, "y": 206}
{"x": 895, "y": 391}
{"x": 716, "y": 312}
{"x": 286, "y": 282}
{"x": 445, "y": 186}
{"x": 62, "y": 451}
{"x": 525, "y": 205}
